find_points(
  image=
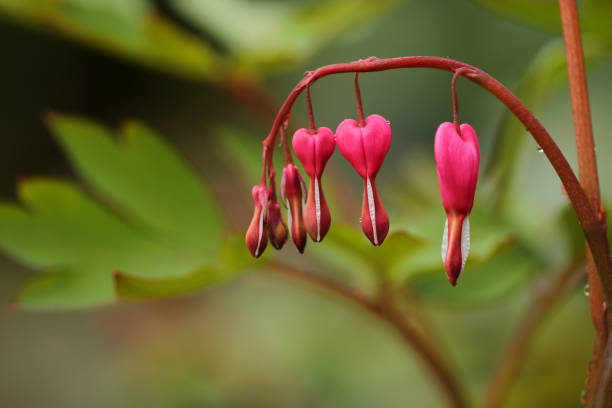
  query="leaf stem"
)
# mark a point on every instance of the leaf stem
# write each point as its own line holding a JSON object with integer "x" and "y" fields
{"x": 589, "y": 179}
{"x": 549, "y": 294}
{"x": 384, "y": 308}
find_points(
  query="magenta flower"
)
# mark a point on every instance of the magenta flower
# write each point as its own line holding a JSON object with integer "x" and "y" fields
{"x": 293, "y": 190}
{"x": 457, "y": 161}
{"x": 365, "y": 148}
{"x": 314, "y": 150}
{"x": 257, "y": 233}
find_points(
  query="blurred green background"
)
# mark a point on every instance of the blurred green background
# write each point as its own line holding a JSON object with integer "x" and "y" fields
{"x": 203, "y": 80}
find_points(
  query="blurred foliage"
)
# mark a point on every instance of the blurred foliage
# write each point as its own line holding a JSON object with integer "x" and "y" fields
{"x": 546, "y": 71}
{"x": 253, "y": 36}
{"x": 159, "y": 220}
{"x": 131, "y": 29}
{"x": 595, "y": 15}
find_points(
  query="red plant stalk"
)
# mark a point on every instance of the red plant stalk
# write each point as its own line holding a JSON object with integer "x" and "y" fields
{"x": 598, "y": 391}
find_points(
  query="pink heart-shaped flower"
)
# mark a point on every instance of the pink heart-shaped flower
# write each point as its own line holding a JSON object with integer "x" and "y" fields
{"x": 457, "y": 163}
{"x": 314, "y": 150}
{"x": 365, "y": 148}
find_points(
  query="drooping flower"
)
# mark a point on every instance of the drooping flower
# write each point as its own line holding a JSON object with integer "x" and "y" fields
{"x": 257, "y": 233}
{"x": 292, "y": 193}
{"x": 457, "y": 163}
{"x": 314, "y": 149}
{"x": 365, "y": 148}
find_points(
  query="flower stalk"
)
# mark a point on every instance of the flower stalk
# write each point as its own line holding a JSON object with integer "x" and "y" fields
{"x": 599, "y": 382}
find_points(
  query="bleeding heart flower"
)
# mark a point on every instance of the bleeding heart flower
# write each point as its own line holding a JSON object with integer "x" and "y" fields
{"x": 365, "y": 148}
{"x": 257, "y": 233}
{"x": 293, "y": 190}
{"x": 457, "y": 161}
{"x": 314, "y": 150}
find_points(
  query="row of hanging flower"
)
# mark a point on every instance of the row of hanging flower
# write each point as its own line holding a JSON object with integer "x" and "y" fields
{"x": 364, "y": 143}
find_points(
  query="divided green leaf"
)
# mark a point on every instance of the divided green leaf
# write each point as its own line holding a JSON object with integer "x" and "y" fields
{"x": 158, "y": 220}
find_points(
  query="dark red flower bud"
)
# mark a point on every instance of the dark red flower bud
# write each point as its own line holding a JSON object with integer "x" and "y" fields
{"x": 314, "y": 150}
{"x": 277, "y": 229}
{"x": 292, "y": 193}
{"x": 365, "y": 148}
{"x": 257, "y": 234}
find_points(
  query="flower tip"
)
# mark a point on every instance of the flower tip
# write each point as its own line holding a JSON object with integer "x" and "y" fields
{"x": 455, "y": 245}
{"x": 317, "y": 218}
{"x": 374, "y": 218}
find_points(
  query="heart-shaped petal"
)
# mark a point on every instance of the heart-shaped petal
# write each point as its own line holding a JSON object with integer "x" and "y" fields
{"x": 457, "y": 163}
{"x": 314, "y": 149}
{"x": 364, "y": 147}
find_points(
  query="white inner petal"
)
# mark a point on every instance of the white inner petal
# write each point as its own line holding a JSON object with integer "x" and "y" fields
{"x": 465, "y": 241}
{"x": 445, "y": 241}
{"x": 289, "y": 219}
{"x": 261, "y": 222}
{"x": 372, "y": 209}
{"x": 317, "y": 208}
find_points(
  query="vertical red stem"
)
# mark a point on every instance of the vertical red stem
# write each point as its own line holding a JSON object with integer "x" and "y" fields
{"x": 587, "y": 171}
{"x": 360, "y": 118}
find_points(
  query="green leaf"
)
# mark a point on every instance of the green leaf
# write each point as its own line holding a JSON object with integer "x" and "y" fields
{"x": 129, "y": 287}
{"x": 142, "y": 174}
{"x": 132, "y": 29}
{"x": 65, "y": 289}
{"x": 60, "y": 225}
{"x": 160, "y": 222}
{"x": 233, "y": 258}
